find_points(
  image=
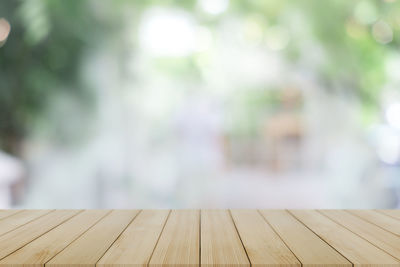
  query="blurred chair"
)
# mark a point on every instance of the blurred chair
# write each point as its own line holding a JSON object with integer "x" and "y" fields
{"x": 284, "y": 132}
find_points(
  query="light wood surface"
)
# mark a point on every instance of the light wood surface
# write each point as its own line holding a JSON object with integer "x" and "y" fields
{"x": 355, "y": 248}
{"x": 179, "y": 242}
{"x": 136, "y": 244}
{"x": 220, "y": 243}
{"x": 124, "y": 238}
{"x": 41, "y": 250}
{"x": 308, "y": 247}
{"x": 91, "y": 246}
{"x": 262, "y": 243}
{"x": 372, "y": 233}
{"x": 21, "y": 236}
{"x": 18, "y": 219}
{"x": 386, "y": 222}
{"x": 392, "y": 213}
{"x": 7, "y": 213}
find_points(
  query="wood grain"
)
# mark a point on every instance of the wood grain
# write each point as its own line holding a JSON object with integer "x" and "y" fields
{"x": 135, "y": 245}
{"x": 7, "y": 213}
{"x": 264, "y": 247}
{"x": 386, "y": 222}
{"x": 91, "y": 246}
{"x": 41, "y": 250}
{"x": 127, "y": 238}
{"x": 21, "y": 236}
{"x": 374, "y": 234}
{"x": 179, "y": 243}
{"x": 392, "y": 213}
{"x": 356, "y": 249}
{"x": 308, "y": 247}
{"x": 19, "y": 219}
{"x": 220, "y": 243}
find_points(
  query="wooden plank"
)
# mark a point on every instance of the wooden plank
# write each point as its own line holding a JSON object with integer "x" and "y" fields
{"x": 263, "y": 245}
{"x": 220, "y": 242}
{"x": 136, "y": 244}
{"x": 19, "y": 237}
{"x": 237, "y": 238}
{"x": 42, "y": 249}
{"x": 19, "y": 219}
{"x": 91, "y": 246}
{"x": 374, "y": 234}
{"x": 179, "y": 243}
{"x": 356, "y": 249}
{"x": 391, "y": 213}
{"x": 308, "y": 247}
{"x": 7, "y": 213}
{"x": 386, "y": 222}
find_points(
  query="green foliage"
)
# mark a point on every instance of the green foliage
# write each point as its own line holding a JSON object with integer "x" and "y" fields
{"x": 49, "y": 38}
{"x": 41, "y": 57}
{"x": 355, "y": 59}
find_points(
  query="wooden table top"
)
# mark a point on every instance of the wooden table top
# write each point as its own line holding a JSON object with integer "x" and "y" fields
{"x": 207, "y": 237}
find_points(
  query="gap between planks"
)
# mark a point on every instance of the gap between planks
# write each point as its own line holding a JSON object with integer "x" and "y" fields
{"x": 247, "y": 237}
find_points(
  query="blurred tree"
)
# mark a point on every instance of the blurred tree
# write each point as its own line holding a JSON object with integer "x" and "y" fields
{"x": 49, "y": 37}
{"x": 356, "y": 38}
{"x": 41, "y": 57}
{"x": 356, "y": 58}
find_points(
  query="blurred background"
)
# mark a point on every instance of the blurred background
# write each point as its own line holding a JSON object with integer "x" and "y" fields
{"x": 200, "y": 104}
